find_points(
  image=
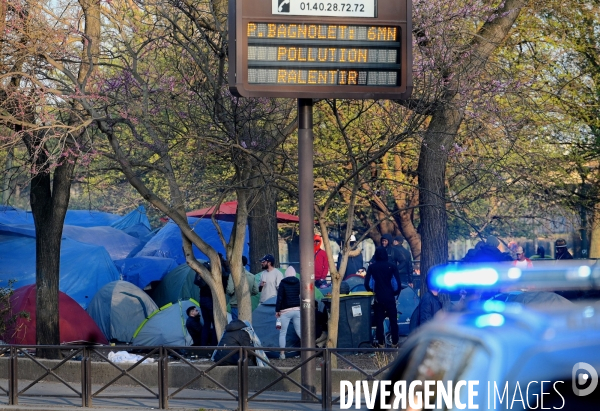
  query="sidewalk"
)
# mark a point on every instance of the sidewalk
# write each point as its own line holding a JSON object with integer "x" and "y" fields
{"x": 47, "y": 396}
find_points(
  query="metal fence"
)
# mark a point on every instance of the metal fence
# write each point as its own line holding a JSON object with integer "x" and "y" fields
{"x": 90, "y": 356}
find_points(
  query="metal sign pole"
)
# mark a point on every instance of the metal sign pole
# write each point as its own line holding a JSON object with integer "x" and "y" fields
{"x": 307, "y": 258}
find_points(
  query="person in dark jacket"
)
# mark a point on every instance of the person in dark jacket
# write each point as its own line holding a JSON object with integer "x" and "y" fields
{"x": 400, "y": 260}
{"x": 287, "y": 306}
{"x": 560, "y": 250}
{"x": 430, "y": 304}
{"x": 487, "y": 252}
{"x": 193, "y": 325}
{"x": 234, "y": 336}
{"x": 209, "y": 333}
{"x": 383, "y": 279}
{"x": 355, "y": 259}
{"x": 405, "y": 266}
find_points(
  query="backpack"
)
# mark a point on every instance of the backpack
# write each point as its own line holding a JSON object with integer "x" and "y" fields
{"x": 415, "y": 319}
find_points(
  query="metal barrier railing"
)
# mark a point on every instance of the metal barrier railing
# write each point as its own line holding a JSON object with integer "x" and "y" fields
{"x": 161, "y": 356}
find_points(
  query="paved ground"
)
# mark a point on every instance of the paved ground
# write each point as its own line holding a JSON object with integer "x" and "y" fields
{"x": 46, "y": 396}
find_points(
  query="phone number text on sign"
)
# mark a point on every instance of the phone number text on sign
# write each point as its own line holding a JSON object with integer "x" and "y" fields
{"x": 334, "y": 8}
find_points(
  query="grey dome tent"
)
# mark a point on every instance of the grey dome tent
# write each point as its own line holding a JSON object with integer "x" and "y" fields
{"x": 166, "y": 326}
{"x": 119, "y": 308}
{"x": 177, "y": 285}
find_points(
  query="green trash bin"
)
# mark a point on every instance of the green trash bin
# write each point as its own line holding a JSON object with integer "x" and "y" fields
{"x": 354, "y": 329}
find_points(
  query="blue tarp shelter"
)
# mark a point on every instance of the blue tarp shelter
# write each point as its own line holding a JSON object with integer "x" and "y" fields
{"x": 167, "y": 242}
{"x": 90, "y": 218}
{"x": 84, "y": 268}
{"x": 141, "y": 271}
{"x": 118, "y": 243}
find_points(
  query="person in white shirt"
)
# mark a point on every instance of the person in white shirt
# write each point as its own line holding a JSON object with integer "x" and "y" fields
{"x": 522, "y": 261}
{"x": 270, "y": 278}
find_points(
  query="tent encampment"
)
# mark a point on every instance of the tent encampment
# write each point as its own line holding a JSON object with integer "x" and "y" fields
{"x": 263, "y": 322}
{"x": 177, "y": 285}
{"x": 76, "y": 326}
{"x": 119, "y": 308}
{"x": 166, "y": 326}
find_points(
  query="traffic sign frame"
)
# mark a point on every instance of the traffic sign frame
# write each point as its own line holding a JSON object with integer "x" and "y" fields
{"x": 390, "y": 14}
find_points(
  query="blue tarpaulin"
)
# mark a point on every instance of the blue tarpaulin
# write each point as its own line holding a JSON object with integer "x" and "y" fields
{"x": 84, "y": 268}
{"x": 90, "y": 218}
{"x": 141, "y": 271}
{"x": 134, "y": 218}
{"x": 167, "y": 242}
{"x": 118, "y": 244}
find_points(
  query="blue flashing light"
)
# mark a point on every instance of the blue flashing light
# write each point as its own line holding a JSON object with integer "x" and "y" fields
{"x": 514, "y": 273}
{"x": 584, "y": 271}
{"x": 489, "y": 320}
{"x": 494, "y": 306}
{"x": 452, "y": 279}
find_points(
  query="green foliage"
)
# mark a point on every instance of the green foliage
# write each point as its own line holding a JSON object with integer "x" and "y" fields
{"x": 8, "y": 319}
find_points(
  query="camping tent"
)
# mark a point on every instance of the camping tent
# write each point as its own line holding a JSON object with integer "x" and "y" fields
{"x": 167, "y": 242}
{"x": 119, "y": 308}
{"x": 263, "y": 322}
{"x": 75, "y": 324}
{"x": 177, "y": 285}
{"x": 166, "y": 326}
{"x": 84, "y": 268}
{"x": 408, "y": 300}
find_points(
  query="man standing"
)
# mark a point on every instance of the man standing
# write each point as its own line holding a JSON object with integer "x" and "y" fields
{"x": 321, "y": 264}
{"x": 397, "y": 260}
{"x": 405, "y": 265}
{"x": 193, "y": 325}
{"x": 383, "y": 279}
{"x": 560, "y": 250}
{"x": 270, "y": 278}
{"x": 355, "y": 258}
{"x": 430, "y": 304}
{"x": 287, "y": 307}
{"x": 522, "y": 261}
{"x": 233, "y": 300}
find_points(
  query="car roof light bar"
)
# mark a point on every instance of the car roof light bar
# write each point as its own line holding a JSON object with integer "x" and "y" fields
{"x": 557, "y": 275}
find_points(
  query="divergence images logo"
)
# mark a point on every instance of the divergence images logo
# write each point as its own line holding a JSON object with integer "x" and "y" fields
{"x": 582, "y": 373}
{"x": 284, "y": 6}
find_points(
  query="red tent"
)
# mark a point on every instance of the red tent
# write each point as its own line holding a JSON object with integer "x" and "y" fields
{"x": 75, "y": 324}
{"x": 228, "y": 210}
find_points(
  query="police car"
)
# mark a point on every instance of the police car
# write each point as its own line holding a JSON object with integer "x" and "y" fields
{"x": 506, "y": 351}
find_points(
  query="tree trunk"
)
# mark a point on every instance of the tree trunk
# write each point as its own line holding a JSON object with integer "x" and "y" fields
{"x": 432, "y": 195}
{"x": 49, "y": 201}
{"x": 262, "y": 226}
{"x": 234, "y": 255}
